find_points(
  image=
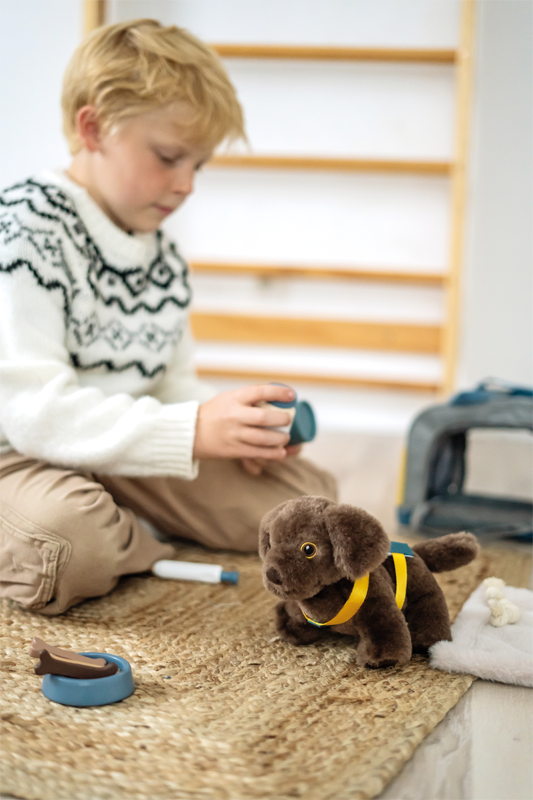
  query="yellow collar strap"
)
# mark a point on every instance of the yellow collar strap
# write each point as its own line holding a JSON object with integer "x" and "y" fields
{"x": 399, "y": 553}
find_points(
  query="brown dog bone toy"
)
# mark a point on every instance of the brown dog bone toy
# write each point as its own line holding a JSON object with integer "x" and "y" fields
{"x": 50, "y": 664}
{"x": 38, "y": 644}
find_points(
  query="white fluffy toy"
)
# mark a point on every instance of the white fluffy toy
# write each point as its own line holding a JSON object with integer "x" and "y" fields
{"x": 502, "y": 611}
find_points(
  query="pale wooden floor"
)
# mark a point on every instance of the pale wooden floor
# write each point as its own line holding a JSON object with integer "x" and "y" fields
{"x": 483, "y": 749}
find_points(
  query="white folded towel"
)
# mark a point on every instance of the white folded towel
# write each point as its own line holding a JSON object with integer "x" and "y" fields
{"x": 492, "y": 636}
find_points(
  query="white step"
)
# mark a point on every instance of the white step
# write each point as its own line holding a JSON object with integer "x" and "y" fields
{"x": 315, "y": 298}
{"x": 328, "y": 362}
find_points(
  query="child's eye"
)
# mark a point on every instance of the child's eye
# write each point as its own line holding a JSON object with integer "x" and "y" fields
{"x": 169, "y": 161}
{"x": 308, "y": 549}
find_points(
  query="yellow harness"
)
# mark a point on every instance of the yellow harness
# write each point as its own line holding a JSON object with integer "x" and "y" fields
{"x": 399, "y": 553}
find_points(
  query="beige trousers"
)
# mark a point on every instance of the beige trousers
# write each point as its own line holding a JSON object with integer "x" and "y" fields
{"x": 67, "y": 535}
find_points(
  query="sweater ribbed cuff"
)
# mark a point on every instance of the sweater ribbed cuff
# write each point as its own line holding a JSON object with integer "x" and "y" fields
{"x": 168, "y": 449}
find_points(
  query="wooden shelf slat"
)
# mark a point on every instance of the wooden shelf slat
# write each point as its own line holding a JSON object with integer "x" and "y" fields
{"x": 458, "y": 186}
{"x": 331, "y": 164}
{"x": 94, "y": 14}
{"x": 332, "y": 380}
{"x": 332, "y": 53}
{"x": 397, "y": 337}
{"x": 313, "y": 271}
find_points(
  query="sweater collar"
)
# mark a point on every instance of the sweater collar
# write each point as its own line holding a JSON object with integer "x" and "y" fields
{"x": 135, "y": 247}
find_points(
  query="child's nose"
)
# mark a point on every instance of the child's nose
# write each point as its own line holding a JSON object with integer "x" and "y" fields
{"x": 183, "y": 182}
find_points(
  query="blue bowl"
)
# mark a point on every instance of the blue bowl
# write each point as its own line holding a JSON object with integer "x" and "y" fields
{"x": 91, "y": 691}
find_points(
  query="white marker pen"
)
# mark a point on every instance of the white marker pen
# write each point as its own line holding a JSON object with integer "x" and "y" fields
{"x": 192, "y": 571}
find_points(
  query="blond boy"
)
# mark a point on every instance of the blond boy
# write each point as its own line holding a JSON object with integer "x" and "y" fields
{"x": 103, "y": 423}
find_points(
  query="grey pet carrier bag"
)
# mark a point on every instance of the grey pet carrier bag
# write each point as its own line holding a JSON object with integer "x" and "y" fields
{"x": 432, "y": 499}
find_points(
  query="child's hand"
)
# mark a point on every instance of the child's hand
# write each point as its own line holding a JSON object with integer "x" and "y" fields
{"x": 255, "y": 465}
{"x": 231, "y": 426}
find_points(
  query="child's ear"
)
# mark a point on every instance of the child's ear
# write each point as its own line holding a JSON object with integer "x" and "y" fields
{"x": 89, "y": 128}
{"x": 359, "y": 542}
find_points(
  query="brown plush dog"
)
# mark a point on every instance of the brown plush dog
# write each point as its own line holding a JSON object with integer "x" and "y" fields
{"x": 313, "y": 551}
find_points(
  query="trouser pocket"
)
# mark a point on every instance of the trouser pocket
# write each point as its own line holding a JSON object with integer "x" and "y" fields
{"x": 31, "y": 560}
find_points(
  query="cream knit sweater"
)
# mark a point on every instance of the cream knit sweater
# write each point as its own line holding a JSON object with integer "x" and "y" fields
{"x": 95, "y": 351}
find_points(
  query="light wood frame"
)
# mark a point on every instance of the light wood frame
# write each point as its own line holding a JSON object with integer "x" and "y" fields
{"x": 459, "y": 188}
{"x": 319, "y": 53}
{"x": 273, "y": 271}
{"x": 443, "y": 340}
{"x": 94, "y": 13}
{"x": 390, "y": 336}
{"x": 257, "y": 161}
{"x": 456, "y": 170}
{"x": 294, "y": 378}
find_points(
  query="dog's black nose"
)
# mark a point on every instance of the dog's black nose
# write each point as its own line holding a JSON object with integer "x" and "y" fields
{"x": 273, "y": 576}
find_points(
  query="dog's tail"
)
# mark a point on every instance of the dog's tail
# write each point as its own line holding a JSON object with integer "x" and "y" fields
{"x": 448, "y": 552}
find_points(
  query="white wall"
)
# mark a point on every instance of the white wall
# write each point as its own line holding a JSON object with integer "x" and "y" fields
{"x": 37, "y": 38}
{"x": 407, "y": 23}
{"x": 497, "y": 328}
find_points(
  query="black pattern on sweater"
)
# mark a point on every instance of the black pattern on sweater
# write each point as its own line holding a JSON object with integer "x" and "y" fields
{"x": 41, "y": 218}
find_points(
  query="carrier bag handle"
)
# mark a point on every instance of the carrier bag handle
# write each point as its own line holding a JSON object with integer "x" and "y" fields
{"x": 488, "y": 389}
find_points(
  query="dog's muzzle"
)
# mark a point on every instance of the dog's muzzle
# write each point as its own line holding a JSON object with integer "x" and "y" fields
{"x": 273, "y": 576}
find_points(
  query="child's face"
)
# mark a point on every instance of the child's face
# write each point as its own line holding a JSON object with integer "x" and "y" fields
{"x": 145, "y": 167}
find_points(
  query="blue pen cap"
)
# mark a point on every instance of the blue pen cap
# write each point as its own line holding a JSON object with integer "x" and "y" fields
{"x": 229, "y": 577}
{"x": 303, "y": 428}
{"x": 278, "y": 403}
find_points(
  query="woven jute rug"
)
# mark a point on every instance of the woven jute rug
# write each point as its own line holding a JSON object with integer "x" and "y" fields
{"x": 222, "y": 708}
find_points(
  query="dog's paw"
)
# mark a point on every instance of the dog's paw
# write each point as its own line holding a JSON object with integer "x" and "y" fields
{"x": 293, "y": 629}
{"x": 379, "y": 657}
{"x": 383, "y": 664}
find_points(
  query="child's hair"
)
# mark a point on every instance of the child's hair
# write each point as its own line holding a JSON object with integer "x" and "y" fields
{"x": 136, "y": 66}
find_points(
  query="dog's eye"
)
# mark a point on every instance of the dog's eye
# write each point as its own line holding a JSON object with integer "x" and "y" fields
{"x": 308, "y": 549}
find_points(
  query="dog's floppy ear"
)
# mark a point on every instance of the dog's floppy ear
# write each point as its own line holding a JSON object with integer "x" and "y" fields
{"x": 359, "y": 542}
{"x": 289, "y": 516}
{"x": 264, "y": 528}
